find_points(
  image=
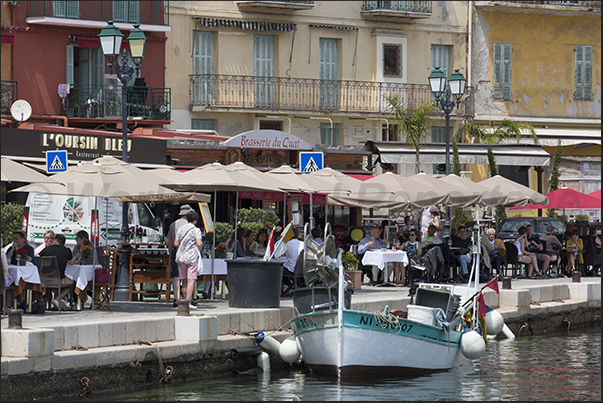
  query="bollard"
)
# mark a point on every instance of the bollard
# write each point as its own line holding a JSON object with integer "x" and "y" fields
{"x": 506, "y": 283}
{"x": 575, "y": 276}
{"x": 183, "y": 307}
{"x": 15, "y": 317}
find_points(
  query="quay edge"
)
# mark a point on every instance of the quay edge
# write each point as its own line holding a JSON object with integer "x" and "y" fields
{"x": 123, "y": 350}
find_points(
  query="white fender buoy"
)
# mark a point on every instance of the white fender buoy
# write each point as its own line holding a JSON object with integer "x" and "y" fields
{"x": 267, "y": 342}
{"x": 264, "y": 361}
{"x": 507, "y": 332}
{"x": 494, "y": 322}
{"x": 473, "y": 345}
{"x": 289, "y": 351}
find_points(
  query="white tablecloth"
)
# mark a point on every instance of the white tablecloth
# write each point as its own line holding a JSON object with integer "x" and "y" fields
{"x": 81, "y": 273}
{"x": 219, "y": 267}
{"x": 29, "y": 273}
{"x": 379, "y": 258}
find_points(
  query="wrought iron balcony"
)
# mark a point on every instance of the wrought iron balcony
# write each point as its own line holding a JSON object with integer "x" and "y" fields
{"x": 215, "y": 92}
{"x": 105, "y": 101}
{"x": 593, "y": 5}
{"x": 9, "y": 95}
{"x": 145, "y": 12}
{"x": 414, "y": 9}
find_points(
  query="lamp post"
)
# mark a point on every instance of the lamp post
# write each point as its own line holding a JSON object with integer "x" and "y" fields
{"x": 111, "y": 39}
{"x": 447, "y": 97}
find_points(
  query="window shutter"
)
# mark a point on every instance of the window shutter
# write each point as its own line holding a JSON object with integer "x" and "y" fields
{"x": 69, "y": 64}
{"x": 119, "y": 11}
{"x": 97, "y": 60}
{"x": 578, "y": 87}
{"x": 438, "y": 134}
{"x": 439, "y": 58}
{"x": 506, "y": 83}
{"x": 72, "y": 9}
{"x": 588, "y": 72}
{"x": 133, "y": 14}
{"x": 583, "y": 73}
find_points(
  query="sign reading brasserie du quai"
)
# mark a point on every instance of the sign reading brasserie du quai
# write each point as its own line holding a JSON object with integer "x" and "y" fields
{"x": 80, "y": 146}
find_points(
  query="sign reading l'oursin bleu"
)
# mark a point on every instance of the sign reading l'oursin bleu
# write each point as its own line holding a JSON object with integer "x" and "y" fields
{"x": 81, "y": 146}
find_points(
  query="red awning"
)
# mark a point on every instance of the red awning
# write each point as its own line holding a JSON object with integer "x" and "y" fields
{"x": 88, "y": 42}
{"x": 8, "y": 37}
{"x": 361, "y": 177}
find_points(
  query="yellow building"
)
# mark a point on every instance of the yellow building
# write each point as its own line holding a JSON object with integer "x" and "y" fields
{"x": 541, "y": 64}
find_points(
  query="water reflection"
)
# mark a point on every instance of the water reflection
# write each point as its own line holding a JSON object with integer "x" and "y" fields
{"x": 560, "y": 366}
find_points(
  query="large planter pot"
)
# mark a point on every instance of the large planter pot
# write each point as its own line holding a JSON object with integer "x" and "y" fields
{"x": 254, "y": 283}
{"x": 310, "y": 299}
{"x": 356, "y": 277}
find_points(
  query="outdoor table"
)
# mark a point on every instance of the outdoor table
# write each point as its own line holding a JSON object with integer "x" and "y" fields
{"x": 82, "y": 274}
{"x": 31, "y": 278}
{"x": 220, "y": 273}
{"x": 380, "y": 258}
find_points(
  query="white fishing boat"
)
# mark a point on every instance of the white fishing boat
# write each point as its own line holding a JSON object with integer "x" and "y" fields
{"x": 432, "y": 335}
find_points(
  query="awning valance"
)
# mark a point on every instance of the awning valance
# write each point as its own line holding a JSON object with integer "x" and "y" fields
{"x": 569, "y": 137}
{"x": 395, "y": 152}
{"x": 253, "y": 25}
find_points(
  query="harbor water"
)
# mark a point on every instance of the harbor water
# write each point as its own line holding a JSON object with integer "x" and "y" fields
{"x": 560, "y": 366}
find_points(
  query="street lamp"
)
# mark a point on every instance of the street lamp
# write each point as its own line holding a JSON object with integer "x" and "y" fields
{"x": 448, "y": 97}
{"x": 111, "y": 39}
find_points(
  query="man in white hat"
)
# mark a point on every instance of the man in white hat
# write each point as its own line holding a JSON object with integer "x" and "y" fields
{"x": 170, "y": 238}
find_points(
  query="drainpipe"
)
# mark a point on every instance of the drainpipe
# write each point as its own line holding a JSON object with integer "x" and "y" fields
{"x": 469, "y": 40}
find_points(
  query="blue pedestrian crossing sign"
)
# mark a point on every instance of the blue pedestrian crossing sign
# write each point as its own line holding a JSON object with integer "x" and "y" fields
{"x": 311, "y": 161}
{"x": 56, "y": 161}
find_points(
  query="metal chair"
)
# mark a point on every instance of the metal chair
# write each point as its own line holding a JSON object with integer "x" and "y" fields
{"x": 50, "y": 276}
{"x": 103, "y": 291}
{"x": 516, "y": 265}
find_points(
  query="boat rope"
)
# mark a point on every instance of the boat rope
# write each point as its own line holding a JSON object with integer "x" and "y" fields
{"x": 166, "y": 373}
{"x": 525, "y": 325}
{"x": 566, "y": 322}
{"x": 85, "y": 383}
{"x": 387, "y": 321}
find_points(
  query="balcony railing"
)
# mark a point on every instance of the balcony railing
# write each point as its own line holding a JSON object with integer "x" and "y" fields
{"x": 596, "y": 5}
{"x": 105, "y": 101}
{"x": 411, "y": 7}
{"x": 295, "y": 5}
{"x": 135, "y": 12}
{"x": 213, "y": 91}
{"x": 9, "y": 95}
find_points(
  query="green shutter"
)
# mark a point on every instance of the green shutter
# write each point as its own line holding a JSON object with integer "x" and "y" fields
{"x": 72, "y": 9}
{"x": 133, "y": 14}
{"x": 506, "y": 84}
{"x": 325, "y": 134}
{"x": 97, "y": 62}
{"x": 202, "y": 124}
{"x": 440, "y": 57}
{"x": 438, "y": 134}
{"x": 583, "y": 73}
{"x": 69, "y": 64}
{"x": 120, "y": 11}
{"x": 501, "y": 77}
{"x": 203, "y": 63}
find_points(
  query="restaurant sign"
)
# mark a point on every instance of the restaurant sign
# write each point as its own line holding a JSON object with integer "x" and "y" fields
{"x": 80, "y": 146}
{"x": 268, "y": 139}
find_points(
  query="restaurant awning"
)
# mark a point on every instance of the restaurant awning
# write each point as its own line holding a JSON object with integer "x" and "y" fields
{"x": 396, "y": 152}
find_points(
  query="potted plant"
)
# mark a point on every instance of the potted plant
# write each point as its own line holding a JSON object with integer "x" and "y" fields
{"x": 86, "y": 254}
{"x": 350, "y": 265}
{"x": 21, "y": 256}
{"x": 221, "y": 250}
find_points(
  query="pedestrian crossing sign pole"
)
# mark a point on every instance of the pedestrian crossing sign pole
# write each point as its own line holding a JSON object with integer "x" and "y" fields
{"x": 56, "y": 161}
{"x": 311, "y": 161}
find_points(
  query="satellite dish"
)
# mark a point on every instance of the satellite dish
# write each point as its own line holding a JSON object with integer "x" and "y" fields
{"x": 20, "y": 110}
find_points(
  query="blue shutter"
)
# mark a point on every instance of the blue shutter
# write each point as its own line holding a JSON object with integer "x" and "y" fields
{"x": 440, "y": 57}
{"x": 203, "y": 63}
{"x": 328, "y": 72}
{"x": 263, "y": 66}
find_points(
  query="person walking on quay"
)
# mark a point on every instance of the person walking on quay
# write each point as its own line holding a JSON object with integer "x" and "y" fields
{"x": 64, "y": 256}
{"x": 188, "y": 256}
{"x": 494, "y": 254}
{"x": 48, "y": 240}
{"x": 574, "y": 247}
{"x": 536, "y": 247}
{"x": 171, "y": 236}
{"x": 523, "y": 253}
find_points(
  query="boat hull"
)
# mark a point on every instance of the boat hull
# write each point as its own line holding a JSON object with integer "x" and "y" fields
{"x": 373, "y": 344}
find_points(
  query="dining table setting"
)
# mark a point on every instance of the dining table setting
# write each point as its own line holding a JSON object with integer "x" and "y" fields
{"x": 381, "y": 257}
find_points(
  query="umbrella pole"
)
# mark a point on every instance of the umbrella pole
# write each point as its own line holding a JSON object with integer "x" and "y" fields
{"x": 93, "y": 257}
{"x": 311, "y": 212}
{"x": 213, "y": 249}
{"x": 236, "y": 224}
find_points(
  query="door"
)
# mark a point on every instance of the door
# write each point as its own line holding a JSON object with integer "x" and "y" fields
{"x": 203, "y": 67}
{"x": 263, "y": 71}
{"x": 328, "y": 73}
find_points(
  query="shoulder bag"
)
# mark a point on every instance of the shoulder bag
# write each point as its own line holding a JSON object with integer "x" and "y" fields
{"x": 179, "y": 252}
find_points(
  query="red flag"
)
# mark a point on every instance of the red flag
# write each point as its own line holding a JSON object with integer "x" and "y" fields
{"x": 493, "y": 284}
{"x": 270, "y": 246}
{"x": 481, "y": 309}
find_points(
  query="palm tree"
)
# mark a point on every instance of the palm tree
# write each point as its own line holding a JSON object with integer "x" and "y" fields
{"x": 413, "y": 124}
{"x": 490, "y": 134}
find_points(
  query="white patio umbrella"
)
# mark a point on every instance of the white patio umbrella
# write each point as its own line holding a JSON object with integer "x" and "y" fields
{"x": 468, "y": 187}
{"x": 511, "y": 193}
{"x": 12, "y": 171}
{"x": 93, "y": 179}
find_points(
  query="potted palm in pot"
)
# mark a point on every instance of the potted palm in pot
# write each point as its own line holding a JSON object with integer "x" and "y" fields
{"x": 350, "y": 265}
